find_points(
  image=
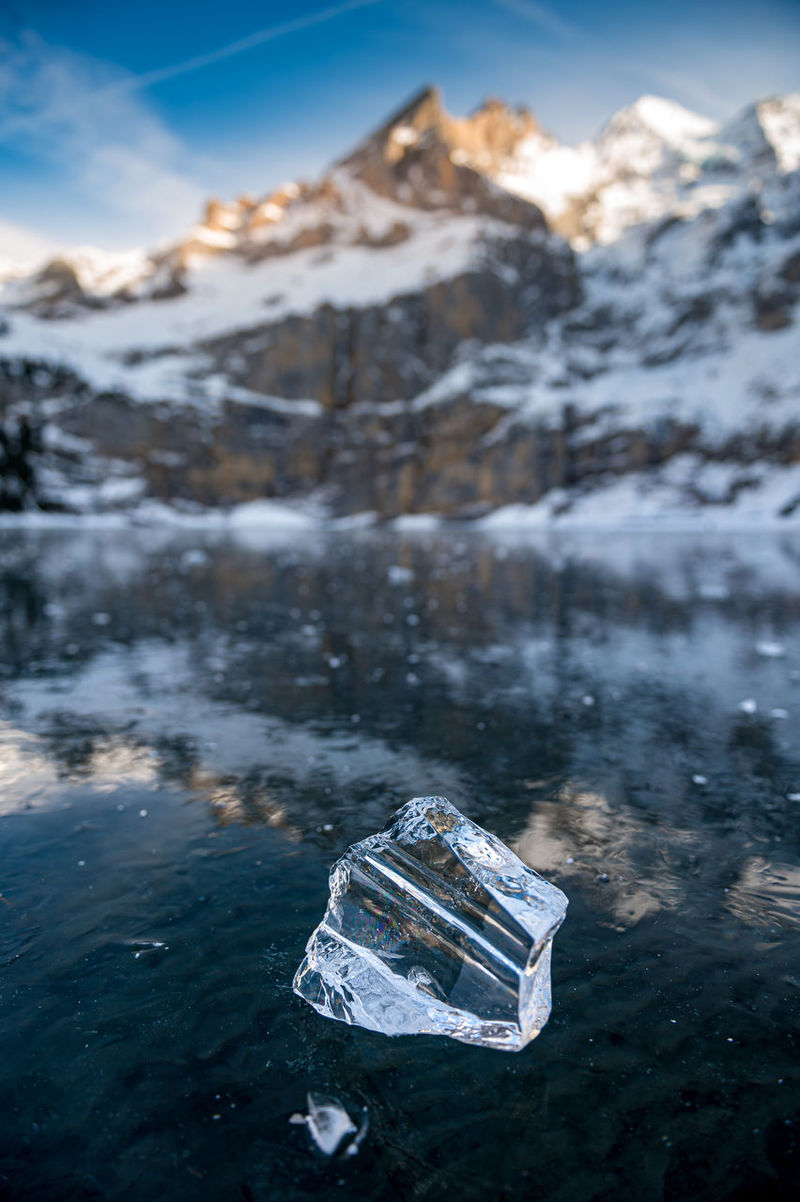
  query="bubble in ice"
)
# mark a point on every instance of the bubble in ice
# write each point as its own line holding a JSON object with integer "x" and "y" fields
{"x": 434, "y": 926}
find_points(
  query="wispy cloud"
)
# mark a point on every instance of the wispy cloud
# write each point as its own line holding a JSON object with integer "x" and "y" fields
{"x": 544, "y": 18}
{"x": 609, "y": 69}
{"x": 22, "y": 247}
{"x": 88, "y": 120}
{"x": 270, "y": 34}
{"x": 117, "y": 156}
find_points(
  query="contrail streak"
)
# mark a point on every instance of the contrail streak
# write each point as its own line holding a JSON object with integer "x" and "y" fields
{"x": 134, "y": 83}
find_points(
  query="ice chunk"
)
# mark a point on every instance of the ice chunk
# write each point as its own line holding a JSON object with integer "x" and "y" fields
{"x": 435, "y": 927}
{"x": 770, "y": 650}
{"x": 328, "y": 1122}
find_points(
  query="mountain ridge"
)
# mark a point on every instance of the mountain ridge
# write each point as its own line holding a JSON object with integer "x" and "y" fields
{"x": 535, "y": 319}
{"x": 486, "y": 141}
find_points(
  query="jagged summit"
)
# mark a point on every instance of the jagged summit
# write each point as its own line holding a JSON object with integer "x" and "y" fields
{"x": 483, "y": 139}
{"x": 422, "y": 111}
{"x": 423, "y": 156}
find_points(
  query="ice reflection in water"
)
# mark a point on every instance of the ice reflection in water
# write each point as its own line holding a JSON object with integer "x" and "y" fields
{"x": 193, "y": 730}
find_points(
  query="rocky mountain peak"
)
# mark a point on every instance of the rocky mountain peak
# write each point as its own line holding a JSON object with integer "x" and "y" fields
{"x": 423, "y": 156}
{"x": 423, "y": 112}
{"x": 483, "y": 140}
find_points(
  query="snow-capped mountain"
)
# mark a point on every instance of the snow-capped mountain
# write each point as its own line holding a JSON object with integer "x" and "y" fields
{"x": 652, "y": 159}
{"x": 461, "y": 316}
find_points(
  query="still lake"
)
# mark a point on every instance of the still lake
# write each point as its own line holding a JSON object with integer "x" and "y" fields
{"x": 194, "y": 725}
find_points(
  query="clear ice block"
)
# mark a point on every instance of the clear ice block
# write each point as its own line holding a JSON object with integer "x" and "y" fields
{"x": 435, "y": 927}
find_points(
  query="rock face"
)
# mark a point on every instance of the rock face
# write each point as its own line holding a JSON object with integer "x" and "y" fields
{"x": 410, "y": 335}
{"x": 346, "y": 357}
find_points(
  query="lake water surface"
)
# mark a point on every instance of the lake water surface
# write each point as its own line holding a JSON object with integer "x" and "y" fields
{"x": 193, "y": 726}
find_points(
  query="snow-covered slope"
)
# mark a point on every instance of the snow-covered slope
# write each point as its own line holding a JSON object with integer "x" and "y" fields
{"x": 152, "y": 349}
{"x": 421, "y": 340}
{"x": 653, "y": 158}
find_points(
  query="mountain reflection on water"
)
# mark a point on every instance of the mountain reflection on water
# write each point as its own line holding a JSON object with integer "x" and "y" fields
{"x": 192, "y": 727}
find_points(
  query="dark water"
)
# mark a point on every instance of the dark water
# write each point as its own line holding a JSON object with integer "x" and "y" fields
{"x": 193, "y": 728}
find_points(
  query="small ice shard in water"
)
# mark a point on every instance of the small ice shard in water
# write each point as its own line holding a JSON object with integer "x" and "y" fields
{"x": 435, "y": 927}
{"x": 769, "y": 649}
{"x": 329, "y": 1124}
{"x": 143, "y": 946}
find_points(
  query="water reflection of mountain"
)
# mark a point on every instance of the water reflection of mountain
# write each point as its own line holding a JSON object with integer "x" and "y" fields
{"x": 580, "y": 697}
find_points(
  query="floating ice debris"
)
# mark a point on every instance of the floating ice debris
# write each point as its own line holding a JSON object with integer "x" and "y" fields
{"x": 713, "y": 592}
{"x": 770, "y": 650}
{"x": 398, "y": 574}
{"x": 194, "y": 558}
{"x": 699, "y": 779}
{"x": 748, "y": 706}
{"x": 329, "y": 1124}
{"x": 434, "y": 926}
{"x": 141, "y": 947}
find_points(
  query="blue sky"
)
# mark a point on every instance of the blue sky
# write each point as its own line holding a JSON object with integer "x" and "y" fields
{"x": 117, "y": 119}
